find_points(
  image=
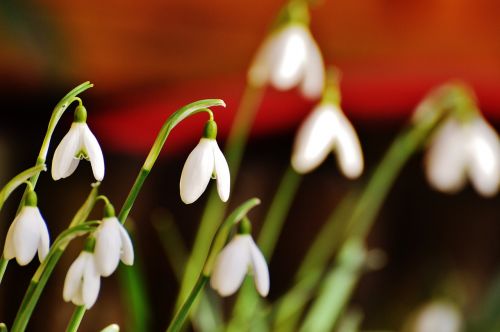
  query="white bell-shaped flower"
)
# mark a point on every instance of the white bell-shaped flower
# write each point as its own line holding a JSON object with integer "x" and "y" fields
{"x": 79, "y": 143}
{"x": 464, "y": 149}
{"x": 112, "y": 244}
{"x": 27, "y": 234}
{"x": 240, "y": 256}
{"x": 206, "y": 161}
{"x": 83, "y": 281}
{"x": 327, "y": 129}
{"x": 289, "y": 57}
{"x": 439, "y": 316}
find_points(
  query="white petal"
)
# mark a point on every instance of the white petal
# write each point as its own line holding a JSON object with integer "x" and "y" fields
{"x": 314, "y": 71}
{"x": 127, "y": 250}
{"x": 290, "y": 57}
{"x": 73, "y": 280}
{"x": 197, "y": 171}
{"x": 446, "y": 159}
{"x": 107, "y": 246}
{"x": 314, "y": 139}
{"x": 64, "y": 162}
{"x": 259, "y": 269}
{"x": 91, "y": 283}
{"x": 44, "y": 241}
{"x": 94, "y": 153}
{"x": 9, "y": 251}
{"x": 231, "y": 266}
{"x": 26, "y": 235}
{"x": 348, "y": 148}
{"x": 484, "y": 163}
{"x": 222, "y": 173}
{"x": 258, "y": 74}
{"x": 111, "y": 328}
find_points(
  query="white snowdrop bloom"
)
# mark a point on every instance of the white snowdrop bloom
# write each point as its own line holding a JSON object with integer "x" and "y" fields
{"x": 27, "y": 234}
{"x": 241, "y": 255}
{"x": 438, "y": 316}
{"x": 83, "y": 281}
{"x": 464, "y": 149}
{"x": 289, "y": 57}
{"x": 204, "y": 162}
{"x": 79, "y": 143}
{"x": 324, "y": 130}
{"x": 112, "y": 244}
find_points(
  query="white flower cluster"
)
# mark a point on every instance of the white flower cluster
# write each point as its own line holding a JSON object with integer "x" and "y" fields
{"x": 83, "y": 280}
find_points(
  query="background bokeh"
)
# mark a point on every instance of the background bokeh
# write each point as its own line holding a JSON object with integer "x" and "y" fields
{"x": 147, "y": 58}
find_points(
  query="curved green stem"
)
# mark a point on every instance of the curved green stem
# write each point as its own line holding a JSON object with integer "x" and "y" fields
{"x": 77, "y": 227}
{"x": 57, "y": 113}
{"x": 76, "y": 319}
{"x": 360, "y": 211}
{"x": 170, "y": 123}
{"x": 214, "y": 208}
{"x": 218, "y": 243}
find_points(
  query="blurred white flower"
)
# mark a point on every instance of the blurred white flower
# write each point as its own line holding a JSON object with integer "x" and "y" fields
{"x": 83, "y": 281}
{"x": 112, "y": 243}
{"x": 324, "y": 130}
{"x": 111, "y": 328}
{"x": 26, "y": 235}
{"x": 438, "y": 316}
{"x": 464, "y": 149}
{"x": 204, "y": 162}
{"x": 241, "y": 255}
{"x": 287, "y": 58}
{"x": 79, "y": 143}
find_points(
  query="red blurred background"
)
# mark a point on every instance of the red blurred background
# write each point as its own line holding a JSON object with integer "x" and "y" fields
{"x": 147, "y": 58}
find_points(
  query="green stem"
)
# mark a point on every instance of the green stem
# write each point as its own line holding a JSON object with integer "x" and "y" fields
{"x": 218, "y": 242}
{"x": 214, "y": 208}
{"x": 183, "y": 312}
{"x": 247, "y": 303}
{"x": 278, "y": 211}
{"x": 57, "y": 113}
{"x": 367, "y": 206}
{"x": 45, "y": 269}
{"x": 76, "y": 319}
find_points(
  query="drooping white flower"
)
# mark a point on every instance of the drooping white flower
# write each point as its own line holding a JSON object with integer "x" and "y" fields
{"x": 464, "y": 149}
{"x": 27, "y": 234}
{"x": 204, "y": 162}
{"x": 324, "y": 130}
{"x": 83, "y": 281}
{"x": 289, "y": 57}
{"x": 79, "y": 143}
{"x": 112, "y": 244}
{"x": 240, "y": 256}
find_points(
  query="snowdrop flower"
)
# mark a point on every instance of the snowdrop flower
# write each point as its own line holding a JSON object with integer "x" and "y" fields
{"x": 324, "y": 130}
{"x": 27, "y": 234}
{"x": 239, "y": 256}
{"x": 79, "y": 143}
{"x": 112, "y": 244}
{"x": 464, "y": 149}
{"x": 289, "y": 57}
{"x": 204, "y": 162}
{"x": 83, "y": 281}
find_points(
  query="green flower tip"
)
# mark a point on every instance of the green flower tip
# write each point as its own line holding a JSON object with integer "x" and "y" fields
{"x": 109, "y": 210}
{"x": 31, "y": 199}
{"x": 89, "y": 244}
{"x": 245, "y": 226}
{"x": 210, "y": 130}
{"x": 80, "y": 114}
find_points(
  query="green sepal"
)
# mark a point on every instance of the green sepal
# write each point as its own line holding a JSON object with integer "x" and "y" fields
{"x": 31, "y": 199}
{"x": 210, "y": 130}
{"x": 109, "y": 210}
{"x": 245, "y": 226}
{"x": 80, "y": 114}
